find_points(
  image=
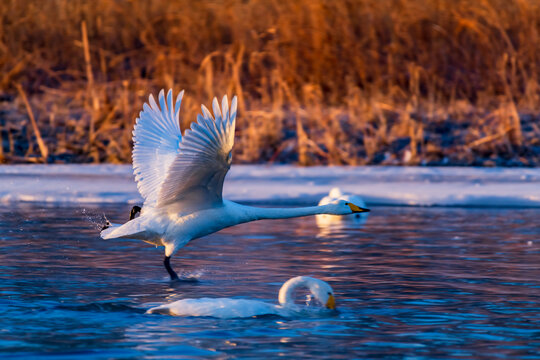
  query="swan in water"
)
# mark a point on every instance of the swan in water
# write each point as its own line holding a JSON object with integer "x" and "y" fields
{"x": 328, "y": 220}
{"x": 226, "y": 308}
{"x": 181, "y": 179}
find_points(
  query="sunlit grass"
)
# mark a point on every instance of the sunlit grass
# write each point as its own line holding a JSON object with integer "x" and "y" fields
{"x": 336, "y": 82}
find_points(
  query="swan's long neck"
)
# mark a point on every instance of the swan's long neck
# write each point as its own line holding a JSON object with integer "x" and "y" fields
{"x": 287, "y": 290}
{"x": 256, "y": 213}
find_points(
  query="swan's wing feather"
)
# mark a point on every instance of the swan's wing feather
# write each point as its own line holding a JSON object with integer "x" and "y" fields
{"x": 156, "y": 137}
{"x": 195, "y": 177}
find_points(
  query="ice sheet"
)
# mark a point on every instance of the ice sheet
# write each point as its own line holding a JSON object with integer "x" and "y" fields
{"x": 378, "y": 185}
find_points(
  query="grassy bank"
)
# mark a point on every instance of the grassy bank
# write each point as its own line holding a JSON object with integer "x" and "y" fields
{"x": 319, "y": 82}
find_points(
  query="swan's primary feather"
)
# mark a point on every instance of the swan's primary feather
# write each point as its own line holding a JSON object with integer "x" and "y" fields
{"x": 188, "y": 171}
{"x": 156, "y": 139}
{"x": 195, "y": 177}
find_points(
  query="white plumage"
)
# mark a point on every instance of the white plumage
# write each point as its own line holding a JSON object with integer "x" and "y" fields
{"x": 156, "y": 139}
{"x": 181, "y": 178}
{"x": 226, "y": 308}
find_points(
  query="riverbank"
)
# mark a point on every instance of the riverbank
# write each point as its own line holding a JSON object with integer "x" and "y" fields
{"x": 286, "y": 184}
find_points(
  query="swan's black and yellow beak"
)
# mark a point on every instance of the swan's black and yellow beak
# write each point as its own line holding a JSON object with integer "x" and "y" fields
{"x": 357, "y": 209}
{"x": 331, "y": 303}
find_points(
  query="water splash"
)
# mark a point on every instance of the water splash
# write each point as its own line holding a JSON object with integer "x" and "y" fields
{"x": 96, "y": 219}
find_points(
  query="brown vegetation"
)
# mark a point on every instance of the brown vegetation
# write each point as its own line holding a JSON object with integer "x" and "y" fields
{"x": 319, "y": 81}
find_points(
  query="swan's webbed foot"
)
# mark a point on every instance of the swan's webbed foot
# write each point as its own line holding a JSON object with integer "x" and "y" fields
{"x": 106, "y": 225}
{"x": 167, "y": 263}
{"x": 134, "y": 211}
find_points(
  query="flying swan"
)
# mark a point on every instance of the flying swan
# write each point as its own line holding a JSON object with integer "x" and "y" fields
{"x": 181, "y": 179}
{"x": 226, "y": 308}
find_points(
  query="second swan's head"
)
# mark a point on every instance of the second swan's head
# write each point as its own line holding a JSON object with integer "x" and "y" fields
{"x": 344, "y": 207}
{"x": 318, "y": 288}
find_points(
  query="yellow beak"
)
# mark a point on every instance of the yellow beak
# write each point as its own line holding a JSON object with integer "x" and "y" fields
{"x": 357, "y": 209}
{"x": 331, "y": 303}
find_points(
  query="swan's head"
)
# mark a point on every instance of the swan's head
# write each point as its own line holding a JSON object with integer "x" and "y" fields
{"x": 318, "y": 288}
{"x": 344, "y": 207}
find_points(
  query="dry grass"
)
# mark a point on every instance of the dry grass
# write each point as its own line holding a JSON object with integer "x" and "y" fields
{"x": 319, "y": 81}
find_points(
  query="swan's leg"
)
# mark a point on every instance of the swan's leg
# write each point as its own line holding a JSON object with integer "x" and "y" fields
{"x": 134, "y": 211}
{"x": 167, "y": 263}
{"x": 106, "y": 225}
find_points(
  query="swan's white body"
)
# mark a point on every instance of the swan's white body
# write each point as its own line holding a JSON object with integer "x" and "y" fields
{"x": 181, "y": 178}
{"x": 326, "y": 220}
{"x": 172, "y": 229}
{"x": 226, "y": 308}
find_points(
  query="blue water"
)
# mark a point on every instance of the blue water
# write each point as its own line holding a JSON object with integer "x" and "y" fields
{"x": 416, "y": 283}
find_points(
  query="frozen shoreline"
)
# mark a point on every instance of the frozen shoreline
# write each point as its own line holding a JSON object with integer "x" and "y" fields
{"x": 274, "y": 184}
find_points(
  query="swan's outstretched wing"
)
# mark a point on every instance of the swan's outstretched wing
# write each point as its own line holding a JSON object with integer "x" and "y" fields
{"x": 155, "y": 144}
{"x": 195, "y": 178}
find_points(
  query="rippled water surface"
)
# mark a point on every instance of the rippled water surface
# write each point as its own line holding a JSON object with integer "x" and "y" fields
{"x": 413, "y": 283}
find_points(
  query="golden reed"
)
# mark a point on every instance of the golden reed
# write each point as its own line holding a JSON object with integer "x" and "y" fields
{"x": 319, "y": 81}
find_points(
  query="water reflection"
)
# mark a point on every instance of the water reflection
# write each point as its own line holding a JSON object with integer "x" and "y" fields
{"x": 335, "y": 226}
{"x": 452, "y": 283}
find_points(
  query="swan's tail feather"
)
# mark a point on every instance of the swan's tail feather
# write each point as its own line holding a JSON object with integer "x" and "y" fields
{"x": 133, "y": 229}
{"x": 108, "y": 229}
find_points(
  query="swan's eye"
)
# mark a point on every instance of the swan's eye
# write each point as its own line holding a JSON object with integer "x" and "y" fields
{"x": 345, "y": 204}
{"x": 329, "y": 293}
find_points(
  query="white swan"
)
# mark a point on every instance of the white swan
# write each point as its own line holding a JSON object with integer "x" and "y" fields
{"x": 181, "y": 179}
{"x": 226, "y": 308}
{"x": 327, "y": 220}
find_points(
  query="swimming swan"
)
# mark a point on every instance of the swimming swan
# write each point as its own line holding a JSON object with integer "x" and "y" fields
{"x": 181, "y": 179}
{"x": 325, "y": 220}
{"x": 226, "y": 308}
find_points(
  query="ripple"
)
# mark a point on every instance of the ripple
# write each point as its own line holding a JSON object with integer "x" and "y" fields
{"x": 420, "y": 282}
